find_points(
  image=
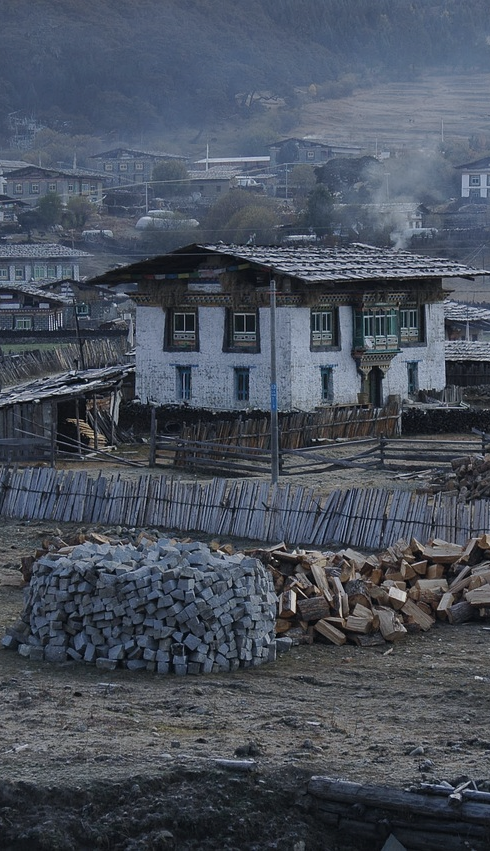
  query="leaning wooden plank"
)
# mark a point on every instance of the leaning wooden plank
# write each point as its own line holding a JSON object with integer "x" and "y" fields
{"x": 330, "y": 632}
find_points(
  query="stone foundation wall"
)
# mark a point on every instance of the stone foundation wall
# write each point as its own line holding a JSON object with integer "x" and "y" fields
{"x": 161, "y": 606}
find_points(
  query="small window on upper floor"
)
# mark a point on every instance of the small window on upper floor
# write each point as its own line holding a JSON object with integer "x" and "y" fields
{"x": 323, "y": 329}
{"x": 18, "y": 189}
{"x": 410, "y": 325}
{"x": 34, "y": 188}
{"x": 181, "y": 330}
{"x": 242, "y": 331}
{"x": 474, "y": 179}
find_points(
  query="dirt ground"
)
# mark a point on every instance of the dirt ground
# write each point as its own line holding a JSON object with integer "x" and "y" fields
{"x": 130, "y": 760}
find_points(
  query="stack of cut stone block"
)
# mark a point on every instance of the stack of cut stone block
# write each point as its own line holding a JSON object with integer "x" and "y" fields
{"x": 163, "y": 606}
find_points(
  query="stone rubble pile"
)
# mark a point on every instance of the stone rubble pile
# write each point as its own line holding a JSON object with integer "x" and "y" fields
{"x": 163, "y": 606}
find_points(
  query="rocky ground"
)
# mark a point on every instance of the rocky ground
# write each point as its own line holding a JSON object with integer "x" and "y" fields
{"x": 93, "y": 760}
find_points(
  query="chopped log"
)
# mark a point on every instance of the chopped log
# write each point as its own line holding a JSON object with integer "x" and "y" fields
{"x": 355, "y": 624}
{"x": 379, "y": 595}
{"x": 415, "y": 613}
{"x": 461, "y": 613}
{"x": 313, "y": 608}
{"x": 484, "y": 541}
{"x": 420, "y": 567}
{"x": 445, "y": 603}
{"x": 282, "y": 625}
{"x": 376, "y": 575}
{"x": 461, "y": 580}
{"x": 442, "y": 552}
{"x": 335, "y": 621}
{"x": 321, "y": 580}
{"x": 472, "y": 551}
{"x": 330, "y": 632}
{"x": 342, "y": 596}
{"x": 479, "y": 596}
{"x": 435, "y": 571}
{"x": 407, "y": 571}
{"x": 390, "y": 625}
{"x": 432, "y": 585}
{"x": 357, "y": 592}
{"x": 287, "y": 604}
{"x": 397, "y": 597}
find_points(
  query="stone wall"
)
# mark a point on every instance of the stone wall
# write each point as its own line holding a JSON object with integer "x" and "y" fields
{"x": 163, "y": 606}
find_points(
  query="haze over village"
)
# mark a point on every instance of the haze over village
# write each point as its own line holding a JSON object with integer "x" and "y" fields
{"x": 244, "y": 295}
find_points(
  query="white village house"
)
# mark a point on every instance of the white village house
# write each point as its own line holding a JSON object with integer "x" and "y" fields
{"x": 355, "y": 324}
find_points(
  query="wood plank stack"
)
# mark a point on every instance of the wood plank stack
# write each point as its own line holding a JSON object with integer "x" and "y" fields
{"x": 377, "y": 598}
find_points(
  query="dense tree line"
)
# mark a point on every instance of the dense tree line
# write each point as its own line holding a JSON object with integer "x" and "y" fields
{"x": 120, "y": 67}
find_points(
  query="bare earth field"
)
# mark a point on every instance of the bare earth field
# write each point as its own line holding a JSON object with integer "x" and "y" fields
{"x": 414, "y": 113}
{"x": 130, "y": 760}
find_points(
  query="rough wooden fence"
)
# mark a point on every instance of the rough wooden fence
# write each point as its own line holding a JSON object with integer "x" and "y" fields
{"x": 230, "y": 459}
{"x": 301, "y": 429}
{"x": 255, "y": 510}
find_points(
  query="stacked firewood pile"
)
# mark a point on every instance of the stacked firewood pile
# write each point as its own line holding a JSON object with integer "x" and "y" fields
{"x": 350, "y": 596}
{"x": 470, "y": 478}
{"x": 373, "y": 599}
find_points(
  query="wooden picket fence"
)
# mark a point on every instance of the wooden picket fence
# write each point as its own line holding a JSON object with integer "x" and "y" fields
{"x": 368, "y": 519}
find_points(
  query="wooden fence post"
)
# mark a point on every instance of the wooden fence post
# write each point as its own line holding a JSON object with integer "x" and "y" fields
{"x": 382, "y": 449}
{"x": 153, "y": 438}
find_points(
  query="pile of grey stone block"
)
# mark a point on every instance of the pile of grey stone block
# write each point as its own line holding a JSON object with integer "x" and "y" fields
{"x": 164, "y": 606}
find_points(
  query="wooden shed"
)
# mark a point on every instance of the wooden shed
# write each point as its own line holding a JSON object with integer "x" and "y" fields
{"x": 70, "y": 412}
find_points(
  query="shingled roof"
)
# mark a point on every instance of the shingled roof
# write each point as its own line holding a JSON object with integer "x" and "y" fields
{"x": 467, "y": 350}
{"x": 33, "y": 251}
{"x": 458, "y": 311}
{"x": 310, "y": 264}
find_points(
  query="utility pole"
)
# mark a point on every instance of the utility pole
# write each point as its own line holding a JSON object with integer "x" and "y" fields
{"x": 274, "y": 416}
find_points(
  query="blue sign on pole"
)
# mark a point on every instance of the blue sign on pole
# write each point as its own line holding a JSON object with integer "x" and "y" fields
{"x": 273, "y": 397}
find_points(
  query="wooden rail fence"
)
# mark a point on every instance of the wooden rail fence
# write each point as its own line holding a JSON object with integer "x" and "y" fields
{"x": 371, "y": 518}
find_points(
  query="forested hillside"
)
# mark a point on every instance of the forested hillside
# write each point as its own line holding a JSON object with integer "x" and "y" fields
{"x": 136, "y": 66}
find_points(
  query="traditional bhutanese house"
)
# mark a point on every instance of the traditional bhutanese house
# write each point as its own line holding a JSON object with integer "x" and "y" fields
{"x": 347, "y": 325}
